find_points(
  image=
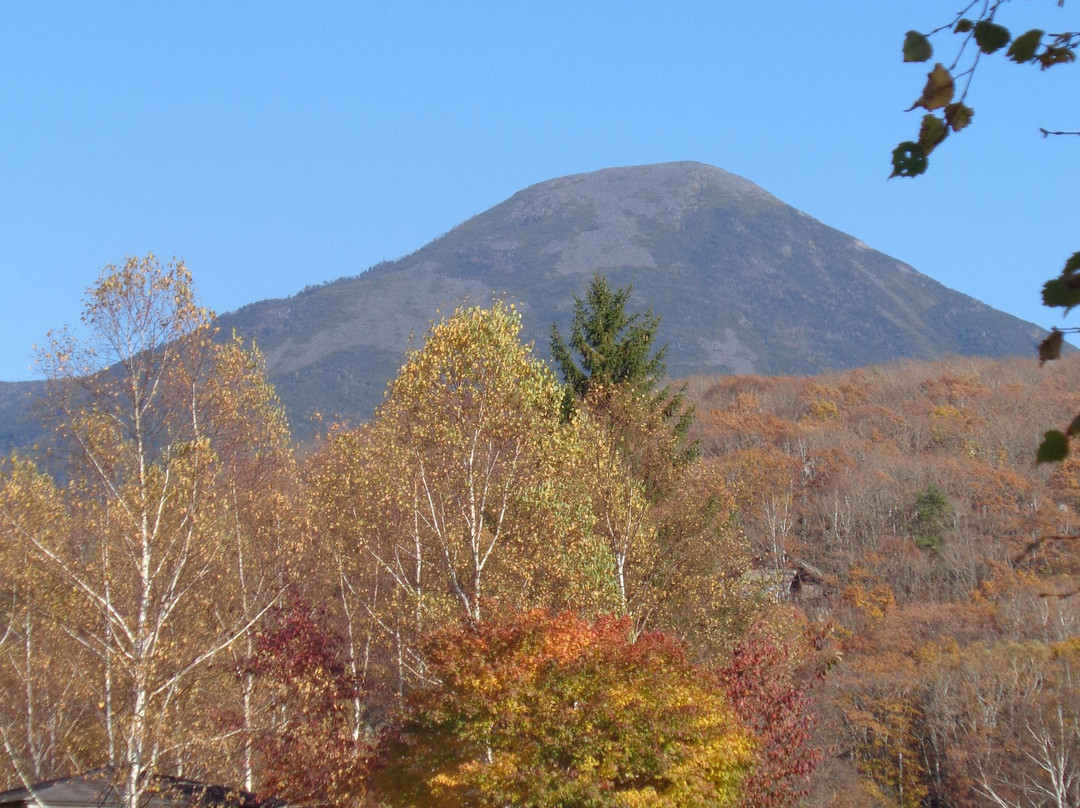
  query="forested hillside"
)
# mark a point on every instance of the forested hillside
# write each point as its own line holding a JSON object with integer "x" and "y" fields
{"x": 907, "y": 499}
{"x": 842, "y": 590}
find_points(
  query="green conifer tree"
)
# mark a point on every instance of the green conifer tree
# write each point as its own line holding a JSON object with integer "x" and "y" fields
{"x": 610, "y": 347}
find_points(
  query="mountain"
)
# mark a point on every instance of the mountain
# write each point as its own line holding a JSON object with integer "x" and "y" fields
{"x": 743, "y": 283}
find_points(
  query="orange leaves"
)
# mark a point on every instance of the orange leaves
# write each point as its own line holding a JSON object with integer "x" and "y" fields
{"x": 744, "y": 428}
{"x": 873, "y": 603}
{"x": 533, "y": 709}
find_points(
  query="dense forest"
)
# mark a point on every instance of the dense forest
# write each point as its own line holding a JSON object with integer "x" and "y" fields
{"x": 507, "y": 589}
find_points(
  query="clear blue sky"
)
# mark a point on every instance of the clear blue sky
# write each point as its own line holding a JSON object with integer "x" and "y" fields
{"x": 277, "y": 145}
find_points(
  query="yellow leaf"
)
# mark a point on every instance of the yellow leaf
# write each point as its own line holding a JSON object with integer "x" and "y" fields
{"x": 938, "y": 91}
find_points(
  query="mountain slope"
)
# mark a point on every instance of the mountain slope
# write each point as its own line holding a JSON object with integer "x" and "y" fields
{"x": 743, "y": 283}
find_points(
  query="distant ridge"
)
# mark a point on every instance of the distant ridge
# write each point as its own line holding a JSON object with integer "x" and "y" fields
{"x": 743, "y": 283}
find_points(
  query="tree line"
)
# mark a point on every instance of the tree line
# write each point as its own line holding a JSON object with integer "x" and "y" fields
{"x": 506, "y": 587}
{"x": 502, "y": 589}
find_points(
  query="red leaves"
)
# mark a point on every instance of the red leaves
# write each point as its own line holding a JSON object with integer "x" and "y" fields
{"x": 295, "y": 644}
{"x": 778, "y": 713}
{"x": 312, "y": 751}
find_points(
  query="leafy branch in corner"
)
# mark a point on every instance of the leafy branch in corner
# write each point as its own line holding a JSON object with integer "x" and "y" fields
{"x": 1060, "y": 292}
{"x": 981, "y": 34}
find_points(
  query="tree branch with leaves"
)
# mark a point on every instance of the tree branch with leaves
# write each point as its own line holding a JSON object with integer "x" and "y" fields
{"x": 979, "y": 33}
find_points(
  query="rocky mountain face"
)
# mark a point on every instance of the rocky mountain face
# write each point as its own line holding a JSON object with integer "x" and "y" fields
{"x": 743, "y": 283}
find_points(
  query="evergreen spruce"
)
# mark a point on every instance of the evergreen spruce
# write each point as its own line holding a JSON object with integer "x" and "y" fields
{"x": 610, "y": 347}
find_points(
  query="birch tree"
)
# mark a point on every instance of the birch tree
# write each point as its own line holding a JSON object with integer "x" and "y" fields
{"x": 48, "y": 726}
{"x": 467, "y": 491}
{"x": 471, "y": 434}
{"x": 667, "y": 522}
{"x": 154, "y": 416}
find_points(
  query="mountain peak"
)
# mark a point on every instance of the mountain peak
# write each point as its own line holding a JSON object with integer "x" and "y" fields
{"x": 743, "y": 283}
{"x": 656, "y": 181}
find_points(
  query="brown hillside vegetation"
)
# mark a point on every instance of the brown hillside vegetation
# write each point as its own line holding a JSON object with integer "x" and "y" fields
{"x": 910, "y": 494}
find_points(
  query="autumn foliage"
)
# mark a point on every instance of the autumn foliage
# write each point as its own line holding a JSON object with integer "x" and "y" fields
{"x": 312, "y": 749}
{"x": 488, "y": 600}
{"x": 540, "y": 710}
{"x": 762, "y": 688}
{"x": 906, "y": 504}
